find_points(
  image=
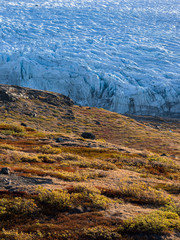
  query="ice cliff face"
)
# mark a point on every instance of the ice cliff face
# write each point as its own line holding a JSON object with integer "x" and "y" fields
{"x": 121, "y": 55}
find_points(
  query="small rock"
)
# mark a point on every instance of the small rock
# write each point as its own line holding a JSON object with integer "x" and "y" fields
{"x": 5, "y": 171}
{"x": 69, "y": 111}
{"x": 33, "y": 114}
{"x": 7, "y": 181}
{"x": 163, "y": 155}
{"x": 24, "y": 124}
{"x": 77, "y": 210}
{"x": 59, "y": 140}
{"x": 88, "y": 135}
{"x": 88, "y": 209}
{"x": 97, "y": 123}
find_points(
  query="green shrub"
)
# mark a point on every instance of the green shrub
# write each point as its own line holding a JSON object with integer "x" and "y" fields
{"x": 13, "y": 133}
{"x": 84, "y": 188}
{"x": 170, "y": 188}
{"x": 17, "y": 207}
{"x": 14, "y": 128}
{"x": 155, "y": 222}
{"x": 89, "y": 197}
{"x": 163, "y": 165}
{"x": 62, "y": 200}
{"x": 172, "y": 207}
{"x": 57, "y": 200}
{"x": 48, "y": 149}
{"x": 7, "y": 147}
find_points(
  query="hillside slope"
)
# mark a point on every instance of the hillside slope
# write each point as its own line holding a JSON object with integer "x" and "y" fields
{"x": 124, "y": 184}
{"x": 55, "y": 112}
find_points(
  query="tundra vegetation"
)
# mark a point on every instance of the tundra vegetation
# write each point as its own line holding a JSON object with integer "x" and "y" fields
{"x": 124, "y": 184}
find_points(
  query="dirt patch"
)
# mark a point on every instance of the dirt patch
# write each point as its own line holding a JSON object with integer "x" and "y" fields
{"x": 14, "y": 183}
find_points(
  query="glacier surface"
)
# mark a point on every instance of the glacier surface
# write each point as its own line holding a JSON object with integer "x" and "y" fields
{"x": 121, "y": 55}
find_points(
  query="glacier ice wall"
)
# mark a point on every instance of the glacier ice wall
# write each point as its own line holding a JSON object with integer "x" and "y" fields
{"x": 121, "y": 55}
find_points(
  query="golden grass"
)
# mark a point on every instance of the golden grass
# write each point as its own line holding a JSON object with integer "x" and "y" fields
{"x": 65, "y": 175}
{"x": 138, "y": 193}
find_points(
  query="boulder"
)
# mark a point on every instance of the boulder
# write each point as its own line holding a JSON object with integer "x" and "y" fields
{"x": 5, "y": 170}
{"x": 88, "y": 135}
{"x": 24, "y": 124}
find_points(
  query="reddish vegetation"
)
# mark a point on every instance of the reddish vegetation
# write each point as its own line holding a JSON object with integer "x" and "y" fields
{"x": 131, "y": 168}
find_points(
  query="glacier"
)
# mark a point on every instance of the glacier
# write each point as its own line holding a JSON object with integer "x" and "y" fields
{"x": 121, "y": 55}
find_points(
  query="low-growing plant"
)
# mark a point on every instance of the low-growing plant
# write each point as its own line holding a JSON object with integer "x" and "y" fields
{"x": 48, "y": 149}
{"x": 73, "y": 176}
{"x": 57, "y": 200}
{"x": 14, "y": 130}
{"x": 15, "y": 235}
{"x": 11, "y": 127}
{"x": 89, "y": 197}
{"x": 65, "y": 175}
{"x": 156, "y": 167}
{"x": 63, "y": 200}
{"x": 71, "y": 157}
{"x": 154, "y": 222}
{"x": 30, "y": 159}
{"x": 92, "y": 163}
{"x": 101, "y": 233}
{"x": 29, "y": 129}
{"x": 101, "y": 140}
{"x": 46, "y": 158}
{"x": 12, "y": 156}
{"x": 155, "y": 158}
{"x": 172, "y": 207}
{"x": 12, "y": 133}
{"x": 19, "y": 156}
{"x": 39, "y": 134}
{"x": 84, "y": 188}
{"x": 17, "y": 207}
{"x": 171, "y": 188}
{"x": 140, "y": 193}
{"x": 7, "y": 147}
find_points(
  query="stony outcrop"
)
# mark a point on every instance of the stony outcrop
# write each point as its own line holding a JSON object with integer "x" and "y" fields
{"x": 10, "y": 93}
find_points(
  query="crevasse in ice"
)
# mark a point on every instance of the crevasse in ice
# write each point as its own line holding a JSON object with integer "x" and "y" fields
{"x": 121, "y": 55}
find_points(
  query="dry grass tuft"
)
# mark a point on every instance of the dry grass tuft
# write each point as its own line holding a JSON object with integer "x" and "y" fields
{"x": 47, "y": 149}
{"x": 139, "y": 193}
